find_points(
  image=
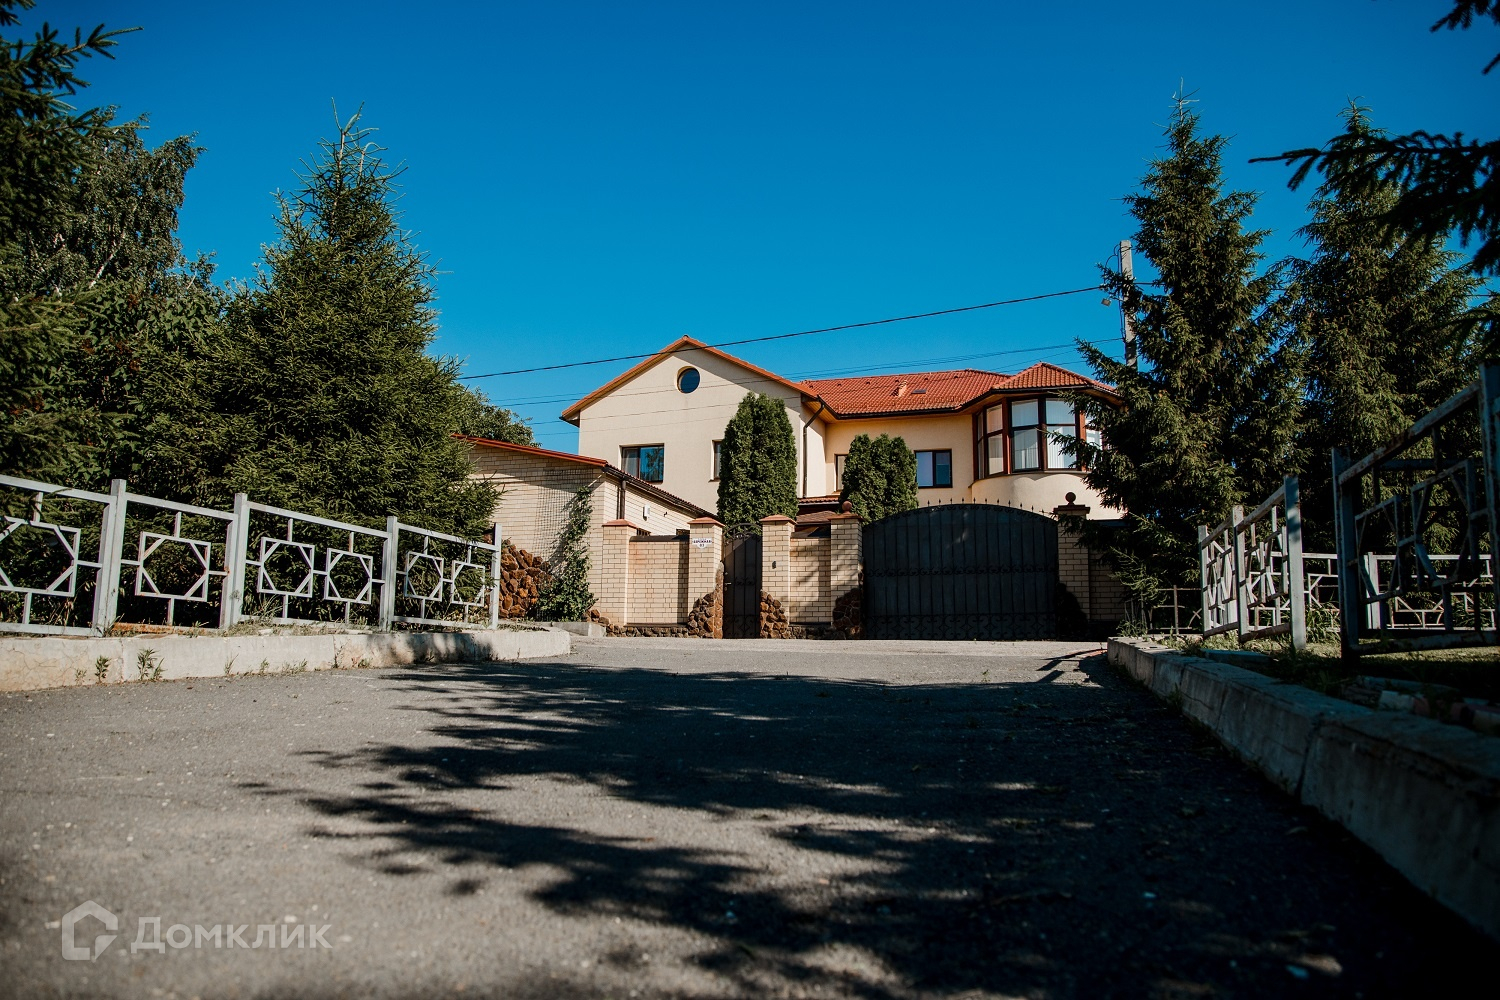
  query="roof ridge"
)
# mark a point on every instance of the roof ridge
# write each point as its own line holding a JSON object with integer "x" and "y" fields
{"x": 937, "y": 371}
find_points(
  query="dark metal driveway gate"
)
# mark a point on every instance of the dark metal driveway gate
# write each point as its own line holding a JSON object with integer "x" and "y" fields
{"x": 961, "y": 571}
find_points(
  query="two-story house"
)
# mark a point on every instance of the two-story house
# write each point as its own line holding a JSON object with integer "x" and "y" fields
{"x": 979, "y": 436}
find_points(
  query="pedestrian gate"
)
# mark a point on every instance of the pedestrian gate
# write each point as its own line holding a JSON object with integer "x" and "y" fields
{"x": 961, "y": 571}
{"x": 742, "y": 581}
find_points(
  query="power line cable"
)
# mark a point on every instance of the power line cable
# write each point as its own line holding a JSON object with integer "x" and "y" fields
{"x": 912, "y": 365}
{"x": 820, "y": 375}
{"x": 800, "y": 333}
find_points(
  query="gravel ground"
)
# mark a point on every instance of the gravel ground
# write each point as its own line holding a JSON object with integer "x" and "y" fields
{"x": 682, "y": 818}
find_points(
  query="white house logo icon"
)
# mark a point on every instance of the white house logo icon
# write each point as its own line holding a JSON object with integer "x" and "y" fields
{"x": 70, "y": 950}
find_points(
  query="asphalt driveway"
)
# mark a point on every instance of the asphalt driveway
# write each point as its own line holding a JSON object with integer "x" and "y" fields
{"x": 684, "y": 818}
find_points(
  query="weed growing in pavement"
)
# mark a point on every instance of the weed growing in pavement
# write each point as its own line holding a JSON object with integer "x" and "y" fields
{"x": 265, "y": 665}
{"x": 148, "y": 665}
{"x": 101, "y": 668}
{"x": 294, "y": 668}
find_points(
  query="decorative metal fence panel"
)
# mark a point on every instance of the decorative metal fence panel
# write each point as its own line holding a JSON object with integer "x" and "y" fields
{"x": 75, "y": 562}
{"x": 1415, "y": 527}
{"x": 1174, "y": 611}
{"x": 1253, "y": 581}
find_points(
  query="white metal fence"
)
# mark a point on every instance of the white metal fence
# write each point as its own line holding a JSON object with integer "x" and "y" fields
{"x": 1253, "y": 571}
{"x": 75, "y": 562}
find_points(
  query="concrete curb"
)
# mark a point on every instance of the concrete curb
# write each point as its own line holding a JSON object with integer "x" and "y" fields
{"x": 30, "y": 664}
{"x": 1424, "y": 795}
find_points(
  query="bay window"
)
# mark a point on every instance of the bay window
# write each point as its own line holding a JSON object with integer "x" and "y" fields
{"x": 1061, "y": 423}
{"x": 1025, "y": 435}
{"x": 1030, "y": 435}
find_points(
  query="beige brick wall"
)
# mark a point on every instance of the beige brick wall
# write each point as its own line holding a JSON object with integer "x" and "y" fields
{"x": 776, "y": 558}
{"x": 812, "y": 597}
{"x": 1099, "y": 593}
{"x": 658, "y": 588}
{"x": 845, "y": 555}
{"x": 536, "y": 489}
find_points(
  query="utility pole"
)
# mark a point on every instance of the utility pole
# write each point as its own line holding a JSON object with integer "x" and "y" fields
{"x": 1127, "y": 270}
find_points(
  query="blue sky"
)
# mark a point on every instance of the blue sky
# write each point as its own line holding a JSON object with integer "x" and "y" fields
{"x": 596, "y": 179}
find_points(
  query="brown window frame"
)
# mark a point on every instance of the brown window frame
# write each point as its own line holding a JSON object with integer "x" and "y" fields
{"x": 982, "y": 436}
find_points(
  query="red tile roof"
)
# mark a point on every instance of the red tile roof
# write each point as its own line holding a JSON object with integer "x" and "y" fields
{"x": 917, "y": 392}
{"x": 1044, "y": 376}
{"x": 929, "y": 392}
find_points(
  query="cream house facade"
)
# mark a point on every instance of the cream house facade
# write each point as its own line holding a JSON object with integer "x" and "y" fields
{"x": 534, "y": 485}
{"x": 980, "y": 437}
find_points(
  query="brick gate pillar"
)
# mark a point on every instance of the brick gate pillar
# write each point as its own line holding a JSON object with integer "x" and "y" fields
{"x": 845, "y": 555}
{"x": 614, "y": 571}
{"x": 705, "y": 569}
{"x": 776, "y": 557}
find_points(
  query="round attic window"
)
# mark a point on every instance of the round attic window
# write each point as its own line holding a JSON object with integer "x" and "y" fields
{"x": 687, "y": 380}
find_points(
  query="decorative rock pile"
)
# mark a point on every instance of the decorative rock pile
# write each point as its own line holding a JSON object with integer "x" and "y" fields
{"x": 706, "y": 620}
{"x": 522, "y": 576}
{"x": 773, "y": 620}
{"x": 848, "y": 614}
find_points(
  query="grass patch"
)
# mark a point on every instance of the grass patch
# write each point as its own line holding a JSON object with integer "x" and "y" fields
{"x": 1474, "y": 672}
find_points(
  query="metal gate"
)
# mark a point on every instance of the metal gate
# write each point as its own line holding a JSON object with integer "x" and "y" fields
{"x": 742, "y": 582}
{"x": 961, "y": 571}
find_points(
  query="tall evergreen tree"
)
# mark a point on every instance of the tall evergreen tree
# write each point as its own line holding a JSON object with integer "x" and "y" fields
{"x": 758, "y": 462}
{"x": 1382, "y": 316}
{"x": 1209, "y": 416}
{"x": 328, "y": 400}
{"x": 880, "y": 477}
{"x": 45, "y": 145}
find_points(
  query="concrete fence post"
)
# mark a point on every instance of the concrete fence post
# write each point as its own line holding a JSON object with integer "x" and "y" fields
{"x": 389, "y": 551}
{"x": 111, "y": 551}
{"x": 495, "y": 580}
{"x": 236, "y": 545}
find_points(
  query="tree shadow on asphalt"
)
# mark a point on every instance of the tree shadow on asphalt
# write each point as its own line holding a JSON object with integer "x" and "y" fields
{"x": 1037, "y": 839}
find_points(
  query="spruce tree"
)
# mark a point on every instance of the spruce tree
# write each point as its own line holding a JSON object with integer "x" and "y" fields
{"x": 880, "y": 477}
{"x": 758, "y": 462}
{"x": 1382, "y": 317}
{"x": 46, "y": 431}
{"x": 328, "y": 401}
{"x": 1209, "y": 415}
